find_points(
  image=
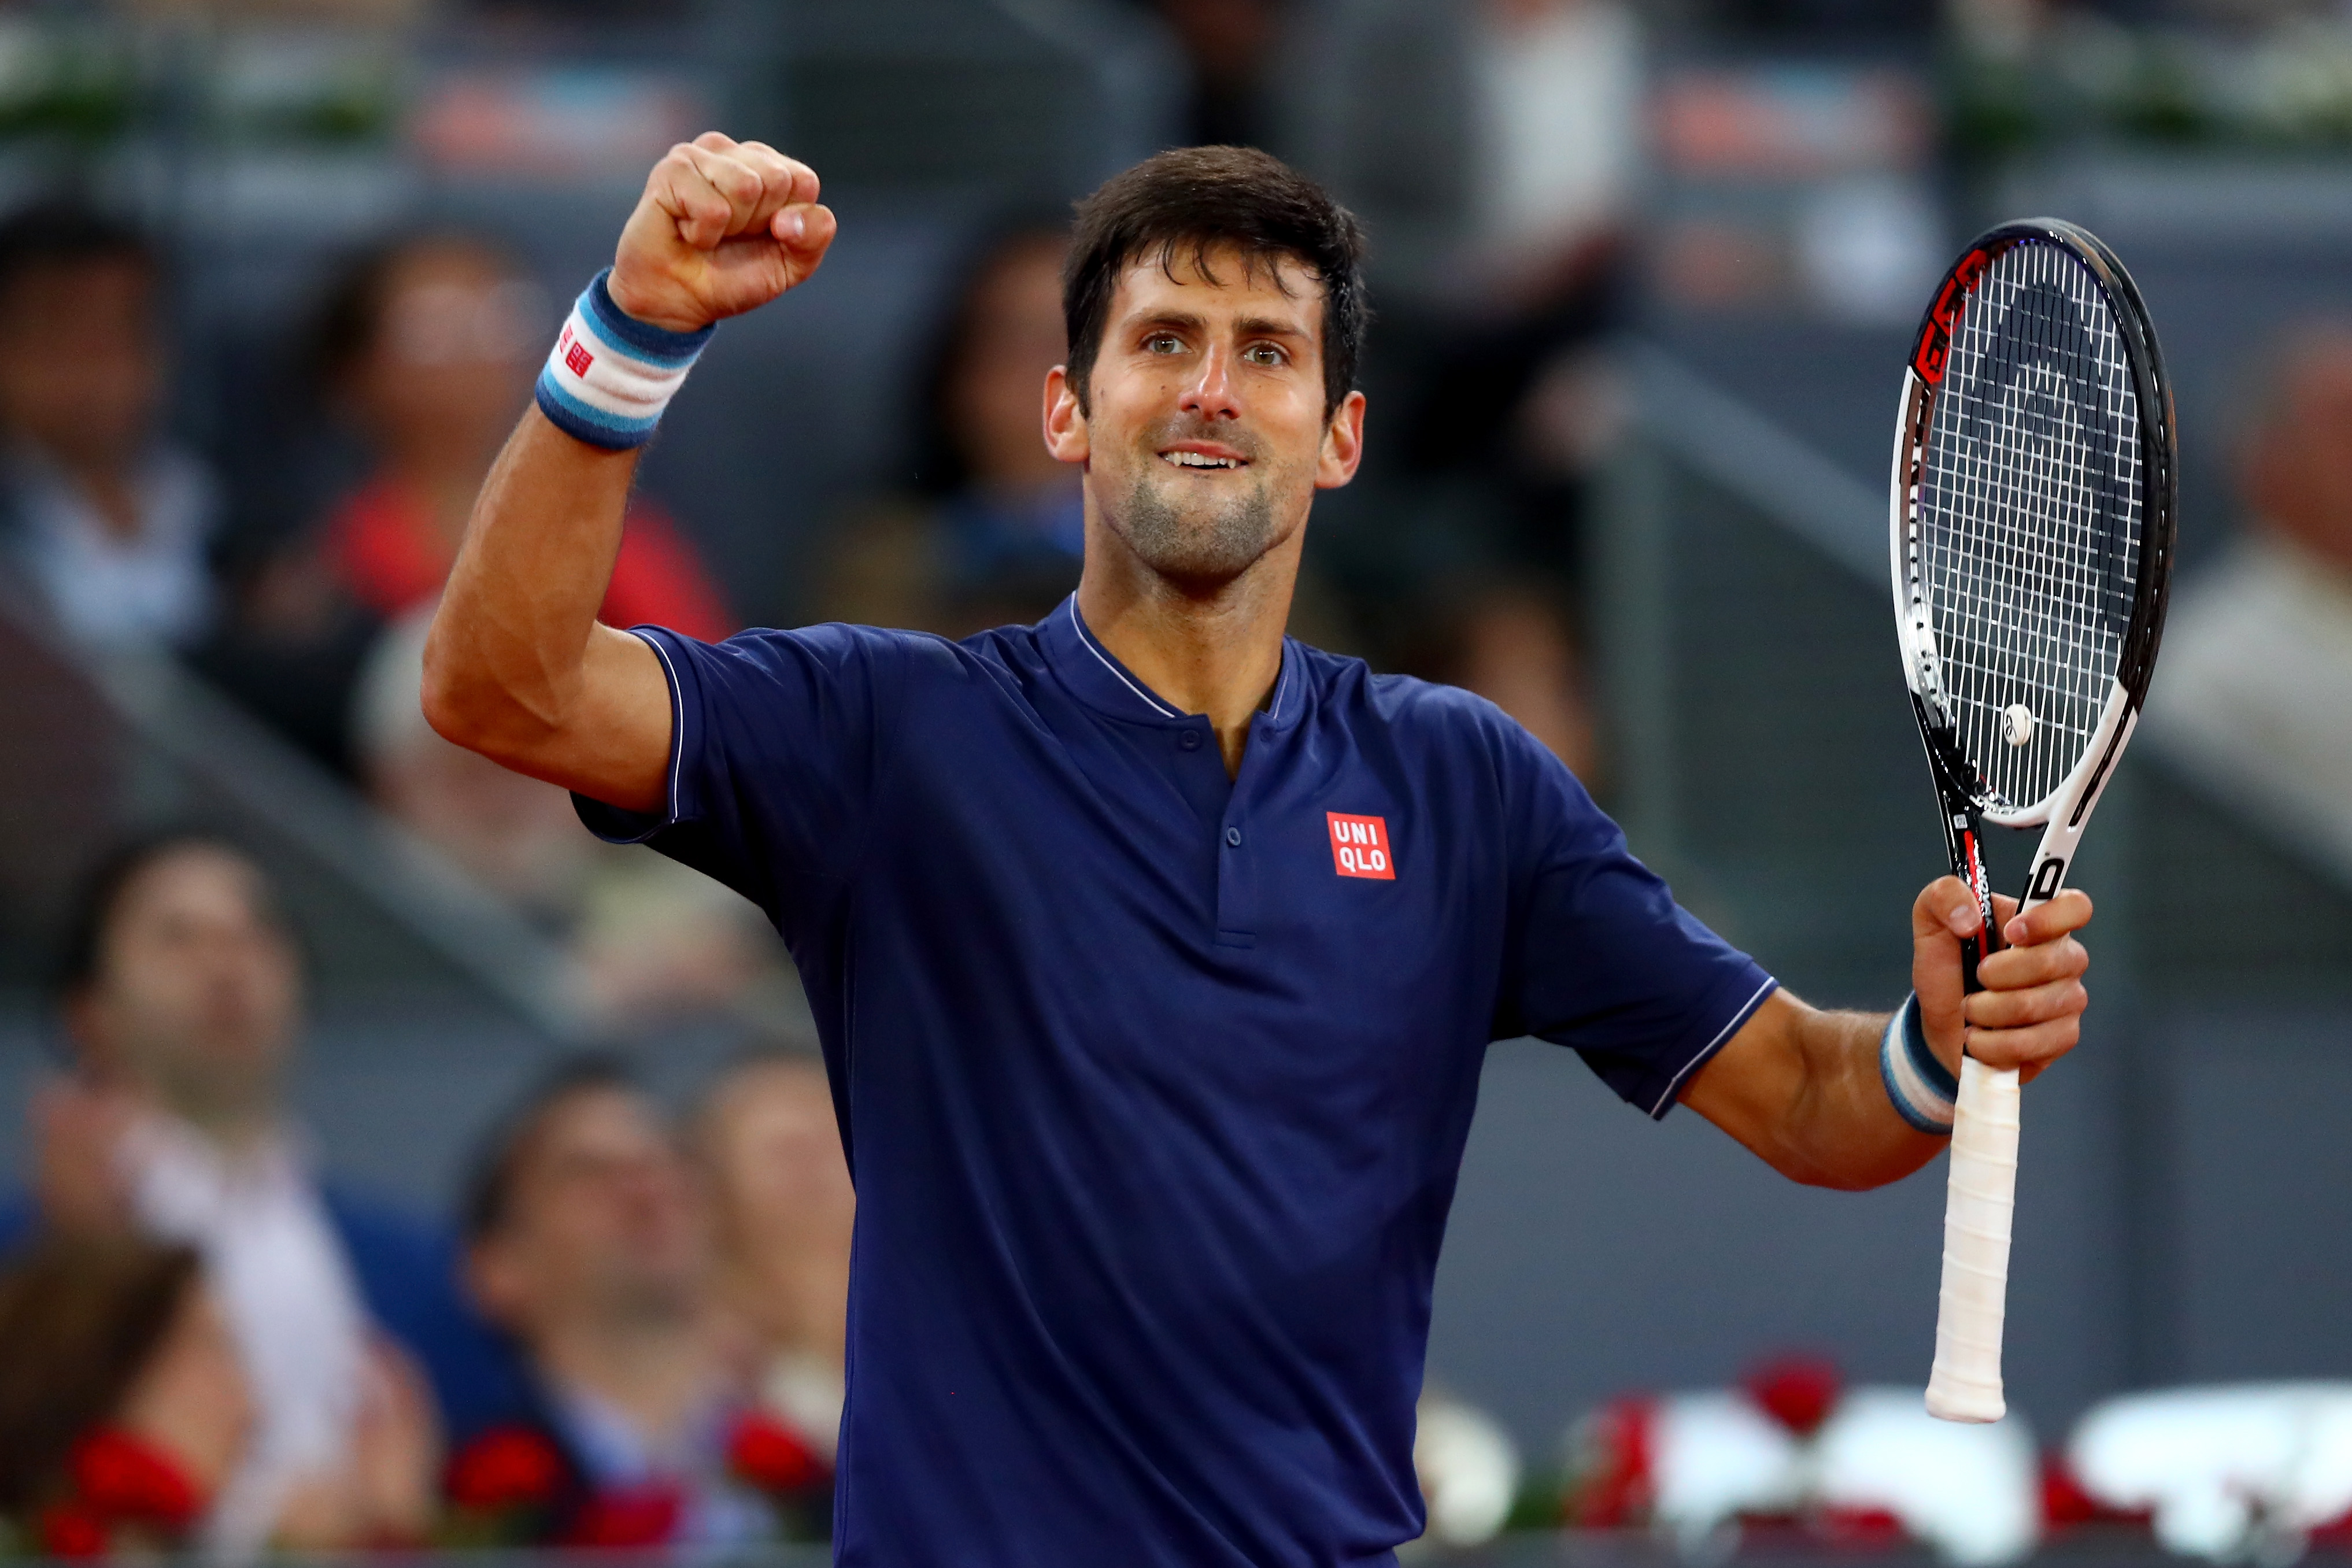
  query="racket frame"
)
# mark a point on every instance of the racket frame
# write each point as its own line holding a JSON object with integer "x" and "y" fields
{"x": 1965, "y": 1385}
{"x": 1968, "y": 801}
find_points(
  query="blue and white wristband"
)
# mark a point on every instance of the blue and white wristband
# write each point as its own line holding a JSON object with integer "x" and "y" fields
{"x": 1924, "y": 1094}
{"x": 610, "y": 375}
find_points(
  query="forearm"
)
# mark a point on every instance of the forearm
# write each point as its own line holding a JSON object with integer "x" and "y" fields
{"x": 1840, "y": 1129}
{"x": 504, "y": 666}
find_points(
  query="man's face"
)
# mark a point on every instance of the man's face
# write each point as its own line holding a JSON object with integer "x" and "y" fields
{"x": 80, "y": 369}
{"x": 197, "y": 987}
{"x": 602, "y": 1223}
{"x": 1206, "y": 435}
{"x": 772, "y": 1156}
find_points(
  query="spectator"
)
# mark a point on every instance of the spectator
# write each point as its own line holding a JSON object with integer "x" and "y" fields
{"x": 587, "y": 1244}
{"x": 1511, "y": 644}
{"x": 426, "y": 348}
{"x": 115, "y": 1348}
{"x": 2256, "y": 683}
{"x": 181, "y": 996}
{"x": 782, "y": 1209}
{"x": 430, "y": 345}
{"x": 106, "y": 519}
{"x": 654, "y": 941}
{"x": 1228, "y": 46}
{"x": 125, "y": 1414}
{"x": 993, "y": 534}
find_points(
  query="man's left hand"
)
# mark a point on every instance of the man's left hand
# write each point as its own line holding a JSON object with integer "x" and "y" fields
{"x": 2029, "y": 1012}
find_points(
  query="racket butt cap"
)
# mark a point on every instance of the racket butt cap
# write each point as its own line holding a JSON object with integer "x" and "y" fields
{"x": 1957, "y": 1401}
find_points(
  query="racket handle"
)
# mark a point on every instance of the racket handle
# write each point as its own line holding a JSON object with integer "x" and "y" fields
{"x": 1966, "y": 1383}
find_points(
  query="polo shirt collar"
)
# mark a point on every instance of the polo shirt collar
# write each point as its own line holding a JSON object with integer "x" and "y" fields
{"x": 1104, "y": 684}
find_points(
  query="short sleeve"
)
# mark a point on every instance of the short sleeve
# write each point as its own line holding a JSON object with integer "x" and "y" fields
{"x": 1602, "y": 959}
{"x": 778, "y": 744}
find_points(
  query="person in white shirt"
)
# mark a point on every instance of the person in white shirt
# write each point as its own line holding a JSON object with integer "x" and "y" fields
{"x": 2254, "y": 694}
{"x": 181, "y": 997}
{"x": 109, "y": 522}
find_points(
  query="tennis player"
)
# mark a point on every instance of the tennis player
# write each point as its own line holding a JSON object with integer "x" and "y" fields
{"x": 1154, "y": 953}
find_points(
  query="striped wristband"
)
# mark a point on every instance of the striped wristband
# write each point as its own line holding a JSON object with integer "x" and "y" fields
{"x": 1923, "y": 1092}
{"x": 610, "y": 375}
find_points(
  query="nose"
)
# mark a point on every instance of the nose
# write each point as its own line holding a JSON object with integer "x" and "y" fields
{"x": 1210, "y": 393}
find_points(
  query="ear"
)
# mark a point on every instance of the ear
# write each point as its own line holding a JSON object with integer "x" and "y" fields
{"x": 1343, "y": 444}
{"x": 1066, "y": 423}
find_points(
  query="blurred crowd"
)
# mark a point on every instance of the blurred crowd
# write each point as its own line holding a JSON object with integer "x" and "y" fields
{"x": 631, "y": 1335}
{"x": 631, "y": 1330}
{"x": 303, "y": 595}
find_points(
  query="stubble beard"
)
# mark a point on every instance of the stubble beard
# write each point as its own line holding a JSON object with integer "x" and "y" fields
{"x": 1204, "y": 543}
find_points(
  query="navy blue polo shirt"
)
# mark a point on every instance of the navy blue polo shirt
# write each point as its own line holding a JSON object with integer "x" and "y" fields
{"x": 1155, "y": 1084}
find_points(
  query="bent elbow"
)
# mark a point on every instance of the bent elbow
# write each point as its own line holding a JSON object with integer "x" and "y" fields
{"x": 454, "y": 714}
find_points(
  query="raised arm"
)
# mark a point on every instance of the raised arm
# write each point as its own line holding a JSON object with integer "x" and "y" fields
{"x": 1802, "y": 1088}
{"x": 517, "y": 667}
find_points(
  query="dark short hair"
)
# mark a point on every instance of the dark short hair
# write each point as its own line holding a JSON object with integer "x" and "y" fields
{"x": 63, "y": 232}
{"x": 98, "y": 901}
{"x": 1194, "y": 201}
{"x": 498, "y": 1165}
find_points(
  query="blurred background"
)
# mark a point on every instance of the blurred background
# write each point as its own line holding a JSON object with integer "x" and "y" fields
{"x": 274, "y": 282}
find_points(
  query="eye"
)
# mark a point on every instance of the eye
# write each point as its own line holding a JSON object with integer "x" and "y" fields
{"x": 1265, "y": 354}
{"x": 1164, "y": 343}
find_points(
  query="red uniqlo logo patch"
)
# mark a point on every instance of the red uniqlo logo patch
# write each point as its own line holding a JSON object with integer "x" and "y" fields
{"x": 1359, "y": 847}
{"x": 577, "y": 359}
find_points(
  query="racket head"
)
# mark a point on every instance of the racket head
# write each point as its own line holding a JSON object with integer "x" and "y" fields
{"x": 2032, "y": 518}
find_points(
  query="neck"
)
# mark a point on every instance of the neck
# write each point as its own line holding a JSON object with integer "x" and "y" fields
{"x": 654, "y": 1368}
{"x": 1214, "y": 651}
{"x": 236, "y": 1126}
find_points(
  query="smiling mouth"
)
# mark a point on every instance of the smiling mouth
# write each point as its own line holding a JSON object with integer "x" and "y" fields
{"x": 1199, "y": 460}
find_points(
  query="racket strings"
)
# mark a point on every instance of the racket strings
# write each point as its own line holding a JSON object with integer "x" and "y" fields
{"x": 2029, "y": 518}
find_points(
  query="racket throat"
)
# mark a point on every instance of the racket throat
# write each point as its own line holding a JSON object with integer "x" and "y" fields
{"x": 1964, "y": 834}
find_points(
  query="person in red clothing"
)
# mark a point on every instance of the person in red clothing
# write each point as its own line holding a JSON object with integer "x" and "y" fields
{"x": 430, "y": 344}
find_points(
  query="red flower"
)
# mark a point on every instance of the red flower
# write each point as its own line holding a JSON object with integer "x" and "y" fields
{"x": 1799, "y": 1392}
{"x": 118, "y": 1475}
{"x": 2066, "y": 1504}
{"x": 73, "y": 1529}
{"x": 506, "y": 1467}
{"x": 645, "y": 1515}
{"x": 1618, "y": 1487}
{"x": 772, "y": 1457}
{"x": 1877, "y": 1528}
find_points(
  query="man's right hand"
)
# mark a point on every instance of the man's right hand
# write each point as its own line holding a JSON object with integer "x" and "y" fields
{"x": 723, "y": 228}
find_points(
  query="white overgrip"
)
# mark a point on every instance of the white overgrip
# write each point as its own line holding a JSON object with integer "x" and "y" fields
{"x": 1978, "y": 1208}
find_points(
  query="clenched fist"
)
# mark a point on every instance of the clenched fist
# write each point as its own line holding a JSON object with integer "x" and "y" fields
{"x": 724, "y": 227}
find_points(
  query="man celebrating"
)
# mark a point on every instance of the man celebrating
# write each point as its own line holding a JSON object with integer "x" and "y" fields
{"x": 1155, "y": 954}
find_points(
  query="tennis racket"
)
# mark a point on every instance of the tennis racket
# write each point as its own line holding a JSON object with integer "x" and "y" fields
{"x": 2031, "y": 544}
